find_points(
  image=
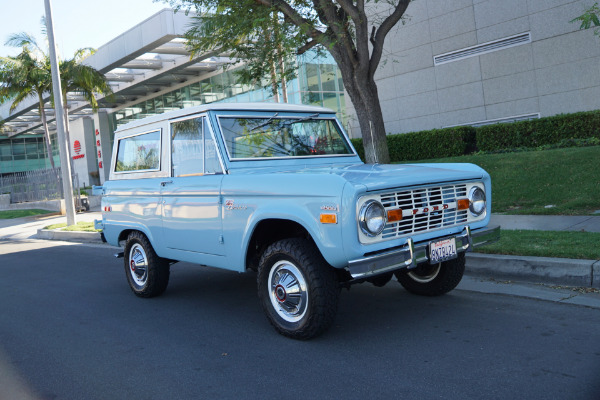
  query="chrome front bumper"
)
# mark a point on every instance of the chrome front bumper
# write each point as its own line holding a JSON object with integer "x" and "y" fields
{"x": 411, "y": 254}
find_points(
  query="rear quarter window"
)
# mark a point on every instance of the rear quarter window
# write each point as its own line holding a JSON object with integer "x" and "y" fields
{"x": 139, "y": 153}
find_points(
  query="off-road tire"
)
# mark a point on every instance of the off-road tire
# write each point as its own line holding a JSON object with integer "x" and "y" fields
{"x": 157, "y": 270}
{"x": 448, "y": 277}
{"x": 302, "y": 258}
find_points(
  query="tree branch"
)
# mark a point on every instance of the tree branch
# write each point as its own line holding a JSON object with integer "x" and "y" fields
{"x": 378, "y": 35}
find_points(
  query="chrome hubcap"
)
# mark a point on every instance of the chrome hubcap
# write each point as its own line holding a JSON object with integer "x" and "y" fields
{"x": 287, "y": 291}
{"x": 425, "y": 273}
{"x": 138, "y": 264}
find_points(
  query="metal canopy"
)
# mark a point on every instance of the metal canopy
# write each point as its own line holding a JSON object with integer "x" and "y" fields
{"x": 144, "y": 61}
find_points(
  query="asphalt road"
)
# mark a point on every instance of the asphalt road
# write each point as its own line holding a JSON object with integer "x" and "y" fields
{"x": 70, "y": 328}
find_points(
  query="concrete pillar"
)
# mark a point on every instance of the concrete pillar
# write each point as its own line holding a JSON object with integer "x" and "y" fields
{"x": 102, "y": 141}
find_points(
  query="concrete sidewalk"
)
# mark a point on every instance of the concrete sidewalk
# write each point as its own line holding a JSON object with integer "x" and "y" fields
{"x": 583, "y": 223}
{"x": 558, "y": 271}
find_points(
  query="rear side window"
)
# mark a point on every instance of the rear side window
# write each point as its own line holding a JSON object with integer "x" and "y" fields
{"x": 139, "y": 153}
{"x": 193, "y": 149}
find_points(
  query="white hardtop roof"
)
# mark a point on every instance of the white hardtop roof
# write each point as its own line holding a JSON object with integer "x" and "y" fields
{"x": 244, "y": 107}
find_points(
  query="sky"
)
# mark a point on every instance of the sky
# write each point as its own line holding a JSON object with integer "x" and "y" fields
{"x": 77, "y": 23}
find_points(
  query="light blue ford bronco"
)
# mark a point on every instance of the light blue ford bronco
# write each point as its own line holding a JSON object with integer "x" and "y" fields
{"x": 280, "y": 190}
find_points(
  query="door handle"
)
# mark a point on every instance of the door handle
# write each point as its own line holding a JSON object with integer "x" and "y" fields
{"x": 165, "y": 183}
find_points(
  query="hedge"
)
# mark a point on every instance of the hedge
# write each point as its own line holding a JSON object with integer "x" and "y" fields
{"x": 457, "y": 141}
{"x": 448, "y": 142}
{"x": 539, "y": 132}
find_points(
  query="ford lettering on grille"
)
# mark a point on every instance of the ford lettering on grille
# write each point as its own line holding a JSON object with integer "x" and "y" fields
{"x": 424, "y": 209}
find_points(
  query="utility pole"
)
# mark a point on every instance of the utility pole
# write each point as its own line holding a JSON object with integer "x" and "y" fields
{"x": 63, "y": 149}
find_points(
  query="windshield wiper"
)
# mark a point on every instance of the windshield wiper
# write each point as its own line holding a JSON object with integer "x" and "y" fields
{"x": 264, "y": 123}
{"x": 293, "y": 121}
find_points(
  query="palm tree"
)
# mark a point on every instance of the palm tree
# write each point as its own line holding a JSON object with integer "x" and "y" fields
{"x": 25, "y": 75}
{"x": 81, "y": 79}
{"x": 29, "y": 73}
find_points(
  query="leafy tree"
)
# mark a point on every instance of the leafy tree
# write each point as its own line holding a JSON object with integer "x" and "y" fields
{"x": 25, "y": 75}
{"x": 590, "y": 18}
{"x": 344, "y": 28}
{"x": 29, "y": 74}
{"x": 265, "y": 43}
{"x": 81, "y": 79}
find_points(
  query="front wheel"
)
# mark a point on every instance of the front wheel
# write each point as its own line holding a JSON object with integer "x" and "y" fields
{"x": 298, "y": 290}
{"x": 433, "y": 280}
{"x": 147, "y": 273}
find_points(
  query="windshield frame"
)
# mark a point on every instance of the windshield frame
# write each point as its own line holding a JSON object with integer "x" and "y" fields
{"x": 282, "y": 116}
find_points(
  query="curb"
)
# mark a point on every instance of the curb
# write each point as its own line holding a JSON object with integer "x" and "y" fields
{"x": 562, "y": 271}
{"x": 87, "y": 237}
{"x": 559, "y": 271}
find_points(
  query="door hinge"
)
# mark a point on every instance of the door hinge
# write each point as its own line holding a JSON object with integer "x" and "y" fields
{"x": 221, "y": 239}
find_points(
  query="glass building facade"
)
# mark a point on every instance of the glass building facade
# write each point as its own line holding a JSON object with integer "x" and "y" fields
{"x": 318, "y": 82}
{"x": 26, "y": 154}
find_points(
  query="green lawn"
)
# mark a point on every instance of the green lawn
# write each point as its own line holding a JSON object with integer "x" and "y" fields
{"x": 81, "y": 226}
{"x": 563, "y": 244}
{"x": 527, "y": 182}
{"x": 9, "y": 214}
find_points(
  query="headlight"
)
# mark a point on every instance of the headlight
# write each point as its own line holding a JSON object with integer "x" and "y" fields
{"x": 476, "y": 201}
{"x": 372, "y": 218}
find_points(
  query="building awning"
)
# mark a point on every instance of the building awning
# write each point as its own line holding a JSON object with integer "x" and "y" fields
{"x": 142, "y": 62}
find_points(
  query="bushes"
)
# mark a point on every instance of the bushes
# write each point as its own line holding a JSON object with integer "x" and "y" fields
{"x": 563, "y": 130}
{"x": 539, "y": 132}
{"x": 435, "y": 143}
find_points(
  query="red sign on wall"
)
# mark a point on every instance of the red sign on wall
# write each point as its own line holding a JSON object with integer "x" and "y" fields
{"x": 77, "y": 147}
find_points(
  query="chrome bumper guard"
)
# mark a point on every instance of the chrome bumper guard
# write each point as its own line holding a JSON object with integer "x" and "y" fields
{"x": 98, "y": 224}
{"x": 412, "y": 253}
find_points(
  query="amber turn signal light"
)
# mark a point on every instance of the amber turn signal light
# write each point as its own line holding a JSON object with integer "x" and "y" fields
{"x": 394, "y": 215}
{"x": 462, "y": 204}
{"x": 328, "y": 218}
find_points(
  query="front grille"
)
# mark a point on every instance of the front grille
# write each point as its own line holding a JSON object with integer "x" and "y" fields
{"x": 420, "y": 199}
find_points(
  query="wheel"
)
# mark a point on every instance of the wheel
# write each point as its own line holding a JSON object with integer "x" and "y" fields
{"x": 147, "y": 273}
{"x": 298, "y": 290}
{"x": 433, "y": 280}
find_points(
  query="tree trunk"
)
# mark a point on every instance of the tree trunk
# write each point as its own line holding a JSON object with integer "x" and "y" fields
{"x": 46, "y": 132}
{"x": 364, "y": 97}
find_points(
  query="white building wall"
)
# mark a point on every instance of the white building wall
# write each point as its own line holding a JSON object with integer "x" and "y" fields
{"x": 557, "y": 72}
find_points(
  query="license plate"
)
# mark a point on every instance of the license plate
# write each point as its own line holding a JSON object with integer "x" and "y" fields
{"x": 442, "y": 250}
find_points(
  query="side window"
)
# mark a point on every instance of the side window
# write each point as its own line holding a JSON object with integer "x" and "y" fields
{"x": 187, "y": 147}
{"x": 193, "y": 149}
{"x": 211, "y": 160}
{"x": 139, "y": 153}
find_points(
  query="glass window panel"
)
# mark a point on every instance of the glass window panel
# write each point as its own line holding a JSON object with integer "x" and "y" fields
{"x": 330, "y": 100}
{"x": 211, "y": 158}
{"x": 327, "y": 77}
{"x": 312, "y": 77}
{"x": 5, "y": 150}
{"x": 139, "y": 153}
{"x": 18, "y": 148}
{"x": 282, "y": 137}
{"x": 186, "y": 147}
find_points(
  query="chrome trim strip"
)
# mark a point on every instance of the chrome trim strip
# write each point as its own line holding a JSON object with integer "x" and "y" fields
{"x": 410, "y": 255}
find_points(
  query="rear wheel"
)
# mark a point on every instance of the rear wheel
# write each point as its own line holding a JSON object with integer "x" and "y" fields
{"x": 298, "y": 290}
{"x": 433, "y": 279}
{"x": 147, "y": 273}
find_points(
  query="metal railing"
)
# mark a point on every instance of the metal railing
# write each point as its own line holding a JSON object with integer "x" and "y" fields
{"x": 38, "y": 185}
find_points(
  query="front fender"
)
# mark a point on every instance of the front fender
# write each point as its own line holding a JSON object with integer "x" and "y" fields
{"x": 327, "y": 237}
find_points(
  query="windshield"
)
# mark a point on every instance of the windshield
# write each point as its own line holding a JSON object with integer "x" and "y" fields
{"x": 271, "y": 137}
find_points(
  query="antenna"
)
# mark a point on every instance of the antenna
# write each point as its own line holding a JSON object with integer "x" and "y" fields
{"x": 373, "y": 142}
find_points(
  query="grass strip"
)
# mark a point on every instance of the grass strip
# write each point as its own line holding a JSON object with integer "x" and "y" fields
{"x": 562, "y": 244}
{"x": 564, "y": 180}
{"x": 79, "y": 227}
{"x": 10, "y": 214}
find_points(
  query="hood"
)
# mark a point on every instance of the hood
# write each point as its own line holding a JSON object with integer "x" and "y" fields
{"x": 383, "y": 176}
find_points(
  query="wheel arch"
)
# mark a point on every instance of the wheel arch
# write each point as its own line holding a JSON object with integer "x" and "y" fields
{"x": 269, "y": 231}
